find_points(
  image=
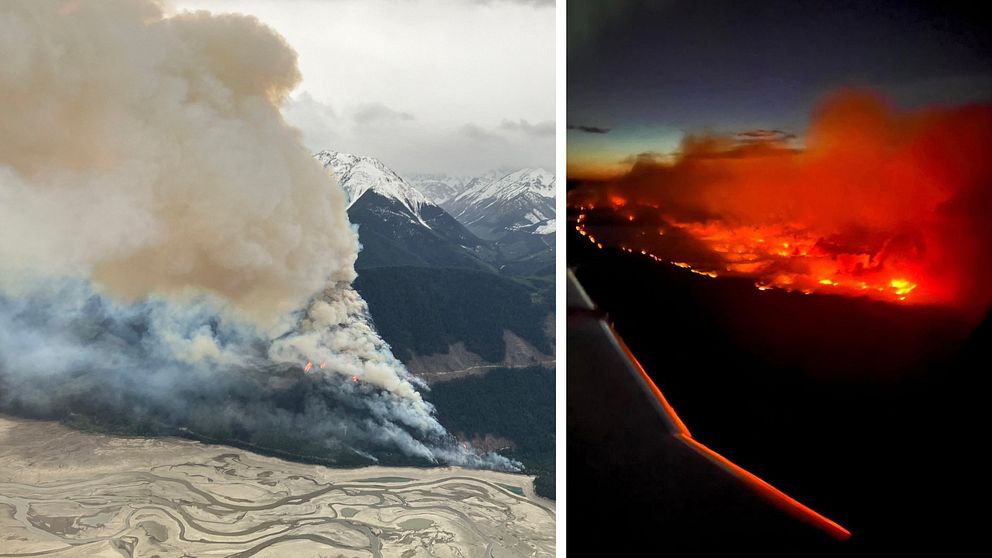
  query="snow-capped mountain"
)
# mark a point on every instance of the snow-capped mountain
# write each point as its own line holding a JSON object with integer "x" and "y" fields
{"x": 439, "y": 188}
{"x": 492, "y": 205}
{"x": 398, "y": 225}
{"x": 357, "y": 174}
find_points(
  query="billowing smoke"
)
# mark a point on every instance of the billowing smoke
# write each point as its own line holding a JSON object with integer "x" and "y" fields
{"x": 171, "y": 256}
{"x": 874, "y": 201}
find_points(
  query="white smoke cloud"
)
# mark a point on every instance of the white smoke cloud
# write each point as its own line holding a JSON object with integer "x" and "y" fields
{"x": 165, "y": 232}
{"x": 150, "y": 155}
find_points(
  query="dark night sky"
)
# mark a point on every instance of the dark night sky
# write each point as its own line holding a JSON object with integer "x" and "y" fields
{"x": 652, "y": 71}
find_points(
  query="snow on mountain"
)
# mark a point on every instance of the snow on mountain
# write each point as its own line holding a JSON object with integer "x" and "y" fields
{"x": 439, "y": 188}
{"x": 359, "y": 174}
{"x": 524, "y": 181}
{"x": 491, "y": 205}
{"x": 397, "y": 224}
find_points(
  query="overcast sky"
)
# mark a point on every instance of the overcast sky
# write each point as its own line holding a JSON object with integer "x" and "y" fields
{"x": 453, "y": 86}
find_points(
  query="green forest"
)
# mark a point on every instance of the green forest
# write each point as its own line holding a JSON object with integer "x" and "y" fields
{"x": 517, "y": 404}
{"x": 423, "y": 310}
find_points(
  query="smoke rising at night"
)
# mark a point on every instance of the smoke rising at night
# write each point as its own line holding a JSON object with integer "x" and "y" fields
{"x": 873, "y": 201}
{"x": 171, "y": 253}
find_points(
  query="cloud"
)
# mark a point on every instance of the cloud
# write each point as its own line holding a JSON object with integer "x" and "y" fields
{"x": 478, "y": 133}
{"x": 762, "y": 134}
{"x": 357, "y": 54}
{"x": 378, "y": 113}
{"x": 589, "y": 129}
{"x": 543, "y": 128}
{"x": 416, "y": 145}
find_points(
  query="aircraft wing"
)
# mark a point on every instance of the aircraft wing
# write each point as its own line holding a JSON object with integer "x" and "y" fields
{"x": 630, "y": 455}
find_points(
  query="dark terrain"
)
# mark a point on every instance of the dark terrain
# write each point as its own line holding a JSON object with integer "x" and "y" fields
{"x": 869, "y": 413}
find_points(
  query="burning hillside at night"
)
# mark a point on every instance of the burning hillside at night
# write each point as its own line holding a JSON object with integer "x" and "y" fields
{"x": 780, "y": 212}
{"x": 874, "y": 201}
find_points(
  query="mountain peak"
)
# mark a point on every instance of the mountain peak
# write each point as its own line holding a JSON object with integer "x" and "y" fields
{"x": 358, "y": 174}
{"x": 535, "y": 180}
{"x": 496, "y": 203}
{"x": 397, "y": 224}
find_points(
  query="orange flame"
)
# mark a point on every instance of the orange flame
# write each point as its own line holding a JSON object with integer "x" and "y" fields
{"x": 878, "y": 202}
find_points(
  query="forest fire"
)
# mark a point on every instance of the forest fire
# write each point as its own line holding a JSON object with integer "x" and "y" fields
{"x": 797, "y": 264}
{"x": 308, "y": 367}
{"x": 875, "y": 202}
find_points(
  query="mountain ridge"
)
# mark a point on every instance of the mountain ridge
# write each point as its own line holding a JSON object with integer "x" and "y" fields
{"x": 492, "y": 205}
{"x": 397, "y": 224}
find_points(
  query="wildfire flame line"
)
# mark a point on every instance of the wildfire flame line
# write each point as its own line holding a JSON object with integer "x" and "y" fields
{"x": 756, "y": 252}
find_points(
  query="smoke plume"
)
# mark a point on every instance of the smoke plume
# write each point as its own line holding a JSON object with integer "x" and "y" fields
{"x": 171, "y": 256}
{"x": 873, "y": 201}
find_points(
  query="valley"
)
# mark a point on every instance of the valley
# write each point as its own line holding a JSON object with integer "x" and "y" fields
{"x": 458, "y": 274}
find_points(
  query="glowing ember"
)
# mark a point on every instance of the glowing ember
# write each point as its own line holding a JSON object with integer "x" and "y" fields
{"x": 902, "y": 286}
{"x": 803, "y": 263}
{"x": 808, "y": 263}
